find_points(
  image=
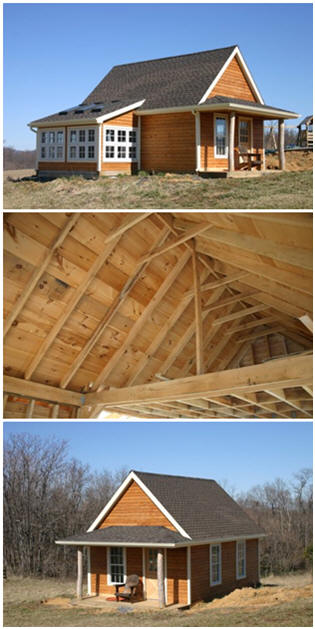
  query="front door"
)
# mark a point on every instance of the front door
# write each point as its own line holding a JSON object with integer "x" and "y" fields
{"x": 151, "y": 573}
{"x": 244, "y": 135}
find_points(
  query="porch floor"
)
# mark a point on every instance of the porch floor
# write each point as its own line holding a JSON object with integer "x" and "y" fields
{"x": 100, "y": 601}
{"x": 237, "y": 174}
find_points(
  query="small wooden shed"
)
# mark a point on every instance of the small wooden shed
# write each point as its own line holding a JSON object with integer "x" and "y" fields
{"x": 185, "y": 538}
{"x": 158, "y": 314}
{"x": 305, "y": 134}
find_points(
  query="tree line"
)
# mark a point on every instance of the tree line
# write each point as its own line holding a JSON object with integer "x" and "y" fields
{"x": 14, "y": 159}
{"x": 48, "y": 496}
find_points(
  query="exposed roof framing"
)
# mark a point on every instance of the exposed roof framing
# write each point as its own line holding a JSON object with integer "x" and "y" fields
{"x": 160, "y": 315}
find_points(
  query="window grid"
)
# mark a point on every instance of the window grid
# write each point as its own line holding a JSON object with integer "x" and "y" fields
{"x": 116, "y": 565}
{"x": 240, "y": 560}
{"x": 51, "y": 145}
{"x": 120, "y": 144}
{"x": 215, "y": 564}
{"x": 82, "y": 145}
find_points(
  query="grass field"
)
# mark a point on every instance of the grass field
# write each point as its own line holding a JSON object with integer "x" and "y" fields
{"x": 280, "y": 603}
{"x": 287, "y": 190}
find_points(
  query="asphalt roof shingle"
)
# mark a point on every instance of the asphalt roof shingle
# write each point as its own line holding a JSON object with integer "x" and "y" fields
{"x": 201, "y": 507}
{"x": 128, "y": 534}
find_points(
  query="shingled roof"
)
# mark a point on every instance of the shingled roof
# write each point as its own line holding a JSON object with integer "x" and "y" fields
{"x": 202, "y": 509}
{"x": 168, "y": 82}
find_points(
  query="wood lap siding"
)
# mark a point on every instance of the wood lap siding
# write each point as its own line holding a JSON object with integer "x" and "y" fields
{"x": 135, "y": 509}
{"x": 99, "y": 583}
{"x": 168, "y": 142}
{"x": 200, "y": 570}
{"x": 233, "y": 83}
{"x": 177, "y": 576}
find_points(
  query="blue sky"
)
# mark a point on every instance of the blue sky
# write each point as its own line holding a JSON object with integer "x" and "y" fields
{"x": 242, "y": 454}
{"x": 55, "y": 54}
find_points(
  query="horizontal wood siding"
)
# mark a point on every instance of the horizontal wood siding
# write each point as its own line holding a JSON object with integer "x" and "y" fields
{"x": 233, "y": 83}
{"x": 128, "y": 168}
{"x": 130, "y": 119}
{"x": 134, "y": 508}
{"x": 258, "y": 134}
{"x": 177, "y": 576}
{"x": 168, "y": 142}
{"x": 200, "y": 570}
{"x": 99, "y": 570}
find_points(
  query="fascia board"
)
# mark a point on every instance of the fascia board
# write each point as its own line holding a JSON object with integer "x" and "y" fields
{"x": 119, "y": 112}
{"x": 118, "y": 493}
{"x": 235, "y": 52}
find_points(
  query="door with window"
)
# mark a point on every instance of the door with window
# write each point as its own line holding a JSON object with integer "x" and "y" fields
{"x": 151, "y": 573}
{"x": 245, "y": 135}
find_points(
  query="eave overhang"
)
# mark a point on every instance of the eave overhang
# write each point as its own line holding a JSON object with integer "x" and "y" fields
{"x": 86, "y": 121}
{"x": 183, "y": 544}
{"x": 263, "y": 112}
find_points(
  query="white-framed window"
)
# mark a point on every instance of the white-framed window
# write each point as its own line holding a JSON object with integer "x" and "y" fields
{"x": 120, "y": 144}
{"x": 220, "y": 136}
{"x": 116, "y": 565}
{"x": 215, "y": 564}
{"x": 241, "y": 559}
{"x": 82, "y": 144}
{"x": 52, "y": 145}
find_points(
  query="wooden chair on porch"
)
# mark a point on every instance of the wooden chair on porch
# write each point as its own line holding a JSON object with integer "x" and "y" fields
{"x": 129, "y": 588}
{"x": 248, "y": 160}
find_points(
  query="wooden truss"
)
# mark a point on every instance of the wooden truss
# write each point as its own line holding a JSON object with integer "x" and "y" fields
{"x": 158, "y": 315}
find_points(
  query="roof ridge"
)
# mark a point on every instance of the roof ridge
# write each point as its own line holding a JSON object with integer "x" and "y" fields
{"x": 188, "y": 54}
{"x": 174, "y": 476}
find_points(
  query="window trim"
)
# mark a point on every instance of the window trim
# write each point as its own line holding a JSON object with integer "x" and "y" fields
{"x": 86, "y": 144}
{"x": 225, "y": 156}
{"x": 212, "y": 583}
{"x": 109, "y": 574}
{"x": 48, "y": 144}
{"x": 239, "y": 543}
{"x": 115, "y": 144}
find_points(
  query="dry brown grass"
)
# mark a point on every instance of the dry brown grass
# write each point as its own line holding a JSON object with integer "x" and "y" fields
{"x": 288, "y": 190}
{"x": 286, "y": 601}
{"x": 294, "y": 160}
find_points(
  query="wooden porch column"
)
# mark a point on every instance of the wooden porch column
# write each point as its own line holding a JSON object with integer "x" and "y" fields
{"x": 231, "y": 141}
{"x": 160, "y": 578}
{"x": 80, "y": 572}
{"x": 281, "y": 144}
{"x": 198, "y": 140}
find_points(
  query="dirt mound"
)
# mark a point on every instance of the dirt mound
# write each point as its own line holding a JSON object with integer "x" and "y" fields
{"x": 250, "y": 597}
{"x": 294, "y": 160}
{"x": 59, "y": 601}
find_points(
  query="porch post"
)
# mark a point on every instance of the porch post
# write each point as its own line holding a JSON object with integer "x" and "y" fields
{"x": 160, "y": 578}
{"x": 197, "y": 139}
{"x": 80, "y": 571}
{"x": 281, "y": 144}
{"x": 231, "y": 140}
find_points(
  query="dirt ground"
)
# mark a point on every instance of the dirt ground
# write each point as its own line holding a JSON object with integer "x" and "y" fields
{"x": 294, "y": 160}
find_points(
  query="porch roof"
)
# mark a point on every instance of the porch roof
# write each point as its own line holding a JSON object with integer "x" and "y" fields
{"x": 126, "y": 536}
{"x": 243, "y": 106}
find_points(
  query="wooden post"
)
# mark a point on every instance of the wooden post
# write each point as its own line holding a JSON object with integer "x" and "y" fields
{"x": 231, "y": 141}
{"x": 160, "y": 578}
{"x": 197, "y": 140}
{"x": 281, "y": 144}
{"x": 198, "y": 315}
{"x": 80, "y": 571}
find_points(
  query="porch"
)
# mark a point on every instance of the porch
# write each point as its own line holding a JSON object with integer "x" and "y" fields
{"x": 100, "y": 601}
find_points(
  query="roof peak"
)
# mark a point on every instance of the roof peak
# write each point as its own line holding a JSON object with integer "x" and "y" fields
{"x": 188, "y": 54}
{"x": 212, "y": 480}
